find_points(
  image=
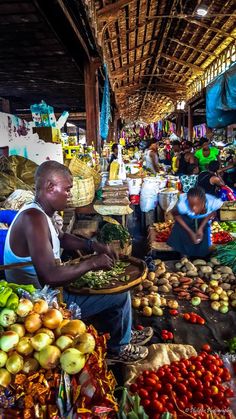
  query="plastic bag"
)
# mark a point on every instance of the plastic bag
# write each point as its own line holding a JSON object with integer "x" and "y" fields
{"x": 134, "y": 186}
{"x": 149, "y": 194}
{"x": 48, "y": 294}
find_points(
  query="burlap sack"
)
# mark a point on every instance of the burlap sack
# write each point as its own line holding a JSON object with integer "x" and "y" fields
{"x": 159, "y": 354}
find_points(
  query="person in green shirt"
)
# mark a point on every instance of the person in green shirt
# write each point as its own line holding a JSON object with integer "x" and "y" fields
{"x": 206, "y": 154}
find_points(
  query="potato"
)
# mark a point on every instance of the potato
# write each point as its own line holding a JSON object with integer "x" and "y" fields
{"x": 144, "y": 302}
{"x": 163, "y": 301}
{"x": 172, "y": 304}
{"x": 214, "y": 261}
{"x": 157, "y": 262}
{"x": 206, "y": 269}
{"x": 162, "y": 281}
{"x": 225, "y": 286}
{"x": 164, "y": 288}
{"x": 154, "y": 288}
{"x": 175, "y": 284}
{"x": 157, "y": 311}
{"x": 167, "y": 275}
{"x": 151, "y": 276}
{"x": 136, "y": 302}
{"x": 191, "y": 273}
{"x": 184, "y": 260}
{"x": 147, "y": 284}
{"x": 190, "y": 266}
{"x": 215, "y": 276}
{"x": 184, "y": 269}
{"x": 147, "y": 311}
{"x": 139, "y": 288}
{"x": 178, "y": 265}
{"x": 233, "y": 303}
{"x": 225, "y": 270}
{"x": 199, "y": 262}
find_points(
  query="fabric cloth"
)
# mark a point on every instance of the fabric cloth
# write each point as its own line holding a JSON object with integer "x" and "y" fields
{"x": 204, "y": 182}
{"x": 212, "y": 204}
{"x": 149, "y": 163}
{"x": 181, "y": 242}
{"x": 113, "y": 312}
{"x": 204, "y": 161}
{"x": 27, "y": 274}
{"x": 188, "y": 182}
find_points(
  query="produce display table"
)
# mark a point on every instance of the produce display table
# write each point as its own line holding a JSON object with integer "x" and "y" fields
{"x": 98, "y": 207}
{"x": 228, "y": 211}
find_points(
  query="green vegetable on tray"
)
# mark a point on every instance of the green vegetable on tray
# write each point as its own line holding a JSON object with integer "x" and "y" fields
{"x": 101, "y": 279}
{"x": 232, "y": 345}
{"x": 226, "y": 255}
{"x": 110, "y": 232}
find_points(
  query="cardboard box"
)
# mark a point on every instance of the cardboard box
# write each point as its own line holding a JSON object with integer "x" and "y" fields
{"x": 48, "y": 134}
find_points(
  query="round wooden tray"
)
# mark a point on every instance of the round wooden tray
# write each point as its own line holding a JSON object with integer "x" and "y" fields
{"x": 137, "y": 270}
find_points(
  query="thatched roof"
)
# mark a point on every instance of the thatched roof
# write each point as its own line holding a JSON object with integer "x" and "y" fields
{"x": 155, "y": 48}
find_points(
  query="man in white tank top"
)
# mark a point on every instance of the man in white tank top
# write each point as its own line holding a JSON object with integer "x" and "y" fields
{"x": 32, "y": 237}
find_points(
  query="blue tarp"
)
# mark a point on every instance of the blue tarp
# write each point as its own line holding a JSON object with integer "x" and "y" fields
{"x": 221, "y": 100}
{"x": 106, "y": 110}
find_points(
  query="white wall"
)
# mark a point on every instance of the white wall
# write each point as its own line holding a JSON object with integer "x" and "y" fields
{"x": 18, "y": 136}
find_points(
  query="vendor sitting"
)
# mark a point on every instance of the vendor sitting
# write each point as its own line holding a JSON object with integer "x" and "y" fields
{"x": 191, "y": 232}
{"x": 32, "y": 237}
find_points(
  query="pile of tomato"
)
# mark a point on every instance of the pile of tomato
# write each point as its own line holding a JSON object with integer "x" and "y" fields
{"x": 194, "y": 386}
{"x": 222, "y": 237}
{"x": 162, "y": 236}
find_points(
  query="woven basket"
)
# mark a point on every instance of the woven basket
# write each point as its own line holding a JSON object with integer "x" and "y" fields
{"x": 82, "y": 192}
{"x": 80, "y": 168}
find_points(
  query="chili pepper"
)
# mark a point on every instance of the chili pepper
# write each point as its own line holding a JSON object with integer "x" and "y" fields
{"x": 3, "y": 283}
{"x": 13, "y": 301}
{"x": 232, "y": 345}
{"x": 166, "y": 335}
{"x": 221, "y": 237}
{"x": 173, "y": 312}
{"x": 5, "y": 293}
{"x": 15, "y": 287}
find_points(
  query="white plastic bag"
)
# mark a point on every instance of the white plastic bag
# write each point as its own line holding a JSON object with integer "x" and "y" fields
{"x": 134, "y": 186}
{"x": 149, "y": 194}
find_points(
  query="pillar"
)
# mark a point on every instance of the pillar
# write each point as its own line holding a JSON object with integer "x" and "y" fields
{"x": 178, "y": 124}
{"x": 190, "y": 123}
{"x": 92, "y": 103}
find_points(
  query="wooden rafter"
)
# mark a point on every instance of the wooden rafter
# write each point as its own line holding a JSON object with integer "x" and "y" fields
{"x": 112, "y": 8}
{"x": 209, "y": 27}
{"x": 131, "y": 50}
{"x": 183, "y": 44}
{"x": 123, "y": 69}
{"x": 182, "y": 62}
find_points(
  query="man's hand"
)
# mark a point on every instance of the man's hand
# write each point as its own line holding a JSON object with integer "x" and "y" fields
{"x": 104, "y": 248}
{"x": 101, "y": 261}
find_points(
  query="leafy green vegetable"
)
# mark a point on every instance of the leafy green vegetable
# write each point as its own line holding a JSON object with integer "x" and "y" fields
{"x": 101, "y": 278}
{"x": 110, "y": 232}
{"x": 226, "y": 255}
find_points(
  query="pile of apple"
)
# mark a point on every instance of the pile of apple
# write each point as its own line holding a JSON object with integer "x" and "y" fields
{"x": 36, "y": 336}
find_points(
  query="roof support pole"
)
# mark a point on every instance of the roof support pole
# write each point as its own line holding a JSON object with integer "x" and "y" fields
{"x": 92, "y": 103}
{"x": 190, "y": 123}
{"x": 178, "y": 124}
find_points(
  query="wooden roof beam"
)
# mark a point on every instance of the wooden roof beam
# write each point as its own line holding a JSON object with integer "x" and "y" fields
{"x": 196, "y": 68}
{"x": 112, "y": 9}
{"x": 208, "y": 27}
{"x": 121, "y": 70}
{"x": 131, "y": 50}
{"x": 201, "y": 51}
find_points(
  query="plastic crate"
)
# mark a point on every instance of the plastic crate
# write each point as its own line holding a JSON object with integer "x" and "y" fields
{"x": 7, "y": 216}
{"x": 3, "y": 234}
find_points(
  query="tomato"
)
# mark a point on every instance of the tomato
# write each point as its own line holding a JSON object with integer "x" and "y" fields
{"x": 213, "y": 368}
{"x": 154, "y": 395}
{"x": 157, "y": 406}
{"x": 192, "y": 367}
{"x": 160, "y": 373}
{"x": 193, "y": 318}
{"x": 229, "y": 393}
{"x": 217, "y": 381}
{"x": 170, "y": 407}
{"x": 174, "y": 370}
{"x": 201, "y": 321}
{"x": 214, "y": 390}
{"x": 158, "y": 386}
{"x": 173, "y": 312}
{"x": 146, "y": 373}
{"x": 198, "y": 373}
{"x": 181, "y": 387}
{"x": 140, "y": 381}
{"x": 207, "y": 392}
{"x": 164, "y": 398}
{"x": 198, "y": 395}
{"x": 170, "y": 378}
{"x": 220, "y": 395}
{"x": 153, "y": 376}
{"x": 186, "y": 316}
{"x": 189, "y": 395}
{"x": 149, "y": 381}
{"x": 184, "y": 399}
{"x": 181, "y": 405}
{"x": 192, "y": 382}
{"x": 140, "y": 327}
{"x": 168, "y": 388}
{"x": 133, "y": 388}
{"x": 143, "y": 393}
{"x": 186, "y": 362}
{"x": 145, "y": 403}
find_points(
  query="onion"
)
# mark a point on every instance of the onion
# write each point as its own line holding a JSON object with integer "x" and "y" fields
{"x": 30, "y": 365}
{"x": 7, "y": 317}
{"x": 33, "y": 322}
{"x": 86, "y": 343}
{"x": 64, "y": 342}
{"x": 74, "y": 328}
{"x": 40, "y": 306}
{"x": 40, "y": 341}
{"x": 3, "y": 358}
{"x": 8, "y": 340}
{"x": 14, "y": 363}
{"x": 58, "y": 329}
{"x": 48, "y": 357}
{"x": 18, "y": 328}
{"x": 5, "y": 377}
{"x": 52, "y": 319}
{"x": 48, "y": 331}
{"x": 24, "y": 346}
{"x": 72, "y": 361}
{"x": 24, "y": 308}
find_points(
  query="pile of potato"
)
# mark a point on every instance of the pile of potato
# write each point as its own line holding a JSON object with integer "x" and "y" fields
{"x": 149, "y": 297}
{"x": 207, "y": 281}
{"x": 163, "y": 226}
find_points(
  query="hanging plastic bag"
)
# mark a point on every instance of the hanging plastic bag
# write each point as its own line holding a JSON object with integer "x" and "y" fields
{"x": 149, "y": 194}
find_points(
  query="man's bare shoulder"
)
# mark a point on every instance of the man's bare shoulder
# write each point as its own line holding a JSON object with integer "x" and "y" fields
{"x": 33, "y": 215}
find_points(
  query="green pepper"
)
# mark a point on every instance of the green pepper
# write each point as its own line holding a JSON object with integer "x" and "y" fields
{"x": 13, "y": 301}
{"x": 15, "y": 287}
{"x": 5, "y": 293}
{"x": 232, "y": 345}
{"x": 3, "y": 283}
